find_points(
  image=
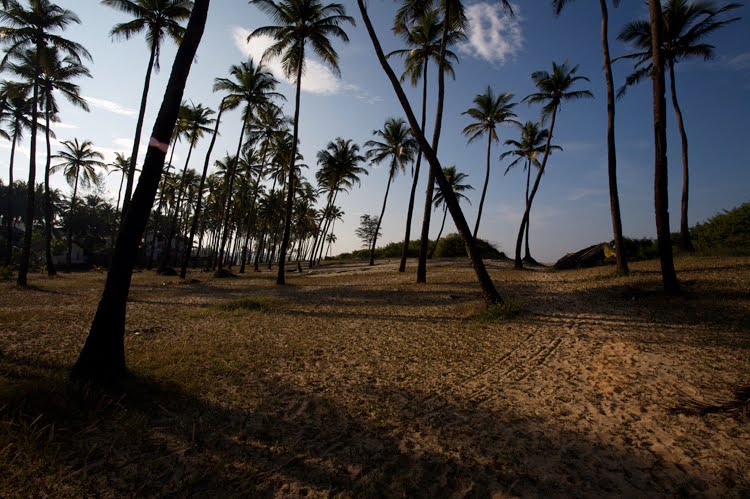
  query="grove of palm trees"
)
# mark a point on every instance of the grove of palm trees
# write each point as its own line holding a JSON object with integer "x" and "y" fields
{"x": 212, "y": 283}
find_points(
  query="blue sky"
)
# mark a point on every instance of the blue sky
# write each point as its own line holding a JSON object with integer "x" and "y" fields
{"x": 572, "y": 207}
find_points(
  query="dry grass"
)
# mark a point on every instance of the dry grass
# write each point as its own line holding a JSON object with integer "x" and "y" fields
{"x": 353, "y": 381}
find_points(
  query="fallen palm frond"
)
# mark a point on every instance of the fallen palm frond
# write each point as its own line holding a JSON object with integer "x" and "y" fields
{"x": 739, "y": 404}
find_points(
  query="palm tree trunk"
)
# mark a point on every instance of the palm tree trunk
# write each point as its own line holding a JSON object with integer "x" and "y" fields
{"x": 525, "y": 220}
{"x": 442, "y": 226}
{"x": 415, "y": 181}
{"x": 28, "y": 220}
{"x": 486, "y": 183}
{"x": 164, "y": 260}
{"x": 259, "y": 251}
{"x": 9, "y": 212}
{"x": 138, "y": 131}
{"x": 70, "y": 223}
{"x": 324, "y": 221}
{"x": 614, "y": 197}
{"x": 199, "y": 202}
{"x": 280, "y": 277}
{"x": 489, "y": 292}
{"x": 527, "y": 257}
{"x": 102, "y": 359}
{"x": 380, "y": 220}
{"x": 686, "y": 244}
{"x": 162, "y": 203}
{"x": 48, "y": 215}
{"x": 661, "y": 182}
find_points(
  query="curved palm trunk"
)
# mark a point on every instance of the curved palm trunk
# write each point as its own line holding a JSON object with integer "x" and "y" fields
{"x": 661, "y": 182}
{"x": 164, "y": 260}
{"x": 48, "y": 215}
{"x": 489, "y": 292}
{"x": 437, "y": 240}
{"x": 486, "y": 183}
{"x": 119, "y": 194}
{"x": 28, "y": 220}
{"x": 102, "y": 359}
{"x": 380, "y": 220}
{"x": 9, "y": 212}
{"x": 280, "y": 277}
{"x": 138, "y": 131}
{"x": 199, "y": 202}
{"x": 527, "y": 256}
{"x": 686, "y": 244}
{"x": 518, "y": 262}
{"x": 317, "y": 232}
{"x": 614, "y": 197}
{"x": 68, "y": 259}
{"x": 415, "y": 180}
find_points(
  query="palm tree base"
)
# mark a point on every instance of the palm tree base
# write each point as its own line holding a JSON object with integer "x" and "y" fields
{"x": 223, "y": 274}
{"x": 167, "y": 271}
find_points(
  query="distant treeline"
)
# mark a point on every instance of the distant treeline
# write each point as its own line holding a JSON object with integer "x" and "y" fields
{"x": 450, "y": 246}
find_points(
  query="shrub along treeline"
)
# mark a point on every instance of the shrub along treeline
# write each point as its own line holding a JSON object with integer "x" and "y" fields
{"x": 450, "y": 246}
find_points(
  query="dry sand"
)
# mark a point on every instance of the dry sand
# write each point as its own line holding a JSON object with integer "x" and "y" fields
{"x": 353, "y": 381}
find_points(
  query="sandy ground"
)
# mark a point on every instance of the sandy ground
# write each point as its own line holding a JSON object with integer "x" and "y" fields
{"x": 353, "y": 381}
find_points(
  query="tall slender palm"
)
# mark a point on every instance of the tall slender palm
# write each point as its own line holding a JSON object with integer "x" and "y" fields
{"x": 299, "y": 23}
{"x": 35, "y": 28}
{"x": 554, "y": 89}
{"x": 120, "y": 165}
{"x": 252, "y": 86}
{"x": 488, "y": 112}
{"x": 456, "y": 182}
{"x": 488, "y": 289}
{"x": 614, "y": 197}
{"x": 160, "y": 20}
{"x": 17, "y": 104}
{"x": 423, "y": 37}
{"x": 102, "y": 359}
{"x": 78, "y": 162}
{"x": 528, "y": 149}
{"x": 685, "y": 26}
{"x": 397, "y": 146}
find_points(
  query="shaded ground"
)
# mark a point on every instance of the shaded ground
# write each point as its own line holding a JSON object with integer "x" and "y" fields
{"x": 352, "y": 381}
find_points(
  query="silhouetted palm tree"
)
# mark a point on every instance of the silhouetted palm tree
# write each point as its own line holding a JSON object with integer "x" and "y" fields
{"x": 299, "y": 23}
{"x": 456, "y": 181}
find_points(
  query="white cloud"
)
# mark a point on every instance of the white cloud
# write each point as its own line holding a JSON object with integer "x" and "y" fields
{"x": 110, "y": 106}
{"x": 64, "y": 126}
{"x": 739, "y": 62}
{"x": 584, "y": 193}
{"x": 492, "y": 34}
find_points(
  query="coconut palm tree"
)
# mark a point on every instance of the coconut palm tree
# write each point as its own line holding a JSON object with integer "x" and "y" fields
{"x": 423, "y": 37}
{"x": 488, "y": 112}
{"x": 102, "y": 359}
{"x": 299, "y": 23}
{"x": 614, "y": 197}
{"x": 35, "y": 28}
{"x": 455, "y": 180}
{"x": 554, "y": 89}
{"x": 253, "y": 87}
{"x": 159, "y": 20}
{"x": 120, "y": 165}
{"x": 489, "y": 292}
{"x": 398, "y": 147}
{"x": 531, "y": 145}
{"x": 686, "y": 24}
{"x": 78, "y": 162}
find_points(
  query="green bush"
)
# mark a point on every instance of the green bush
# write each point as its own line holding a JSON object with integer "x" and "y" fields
{"x": 640, "y": 249}
{"x": 725, "y": 232}
{"x": 452, "y": 246}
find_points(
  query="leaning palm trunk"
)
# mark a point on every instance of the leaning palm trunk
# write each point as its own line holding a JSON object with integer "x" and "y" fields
{"x": 9, "y": 211}
{"x": 163, "y": 264}
{"x": 486, "y": 183}
{"x": 48, "y": 215}
{"x": 489, "y": 292}
{"x": 614, "y": 197}
{"x": 102, "y": 359}
{"x": 280, "y": 277}
{"x": 68, "y": 259}
{"x": 527, "y": 253}
{"x": 661, "y": 183}
{"x": 530, "y": 200}
{"x": 686, "y": 244}
{"x": 380, "y": 220}
{"x": 437, "y": 240}
{"x": 317, "y": 232}
{"x": 415, "y": 181}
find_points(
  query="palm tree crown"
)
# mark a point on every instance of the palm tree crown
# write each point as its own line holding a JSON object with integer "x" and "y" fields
{"x": 554, "y": 87}
{"x": 456, "y": 182}
{"x": 79, "y": 159}
{"x": 488, "y": 112}
{"x": 397, "y": 144}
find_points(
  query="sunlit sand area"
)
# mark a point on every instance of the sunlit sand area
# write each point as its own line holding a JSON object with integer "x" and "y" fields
{"x": 353, "y": 381}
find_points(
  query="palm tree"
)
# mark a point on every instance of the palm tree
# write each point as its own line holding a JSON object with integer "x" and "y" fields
{"x": 532, "y": 144}
{"x": 160, "y": 20}
{"x": 300, "y": 22}
{"x": 397, "y": 146}
{"x": 614, "y": 197}
{"x": 17, "y": 104}
{"x": 102, "y": 359}
{"x": 554, "y": 88}
{"x": 120, "y": 165}
{"x": 488, "y": 112}
{"x": 35, "y": 28}
{"x": 685, "y": 26}
{"x": 489, "y": 292}
{"x": 455, "y": 180}
{"x": 254, "y": 87}
{"x": 79, "y": 162}
{"x": 424, "y": 39}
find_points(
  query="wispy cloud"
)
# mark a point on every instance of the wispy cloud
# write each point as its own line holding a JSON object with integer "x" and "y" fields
{"x": 583, "y": 193}
{"x": 738, "y": 62}
{"x": 65, "y": 126}
{"x": 492, "y": 34}
{"x": 107, "y": 105}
